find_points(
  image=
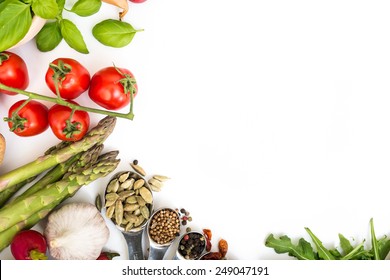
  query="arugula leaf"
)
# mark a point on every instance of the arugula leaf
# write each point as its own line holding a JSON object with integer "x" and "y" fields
{"x": 335, "y": 253}
{"x": 374, "y": 242}
{"x": 323, "y": 253}
{"x": 15, "y": 21}
{"x": 302, "y": 251}
{"x": 72, "y": 36}
{"x": 345, "y": 244}
{"x": 356, "y": 253}
{"x": 49, "y": 37}
{"x": 47, "y": 9}
{"x": 86, "y": 8}
{"x": 383, "y": 247}
{"x": 114, "y": 33}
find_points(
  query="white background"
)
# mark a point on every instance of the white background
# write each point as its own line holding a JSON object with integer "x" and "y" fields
{"x": 269, "y": 116}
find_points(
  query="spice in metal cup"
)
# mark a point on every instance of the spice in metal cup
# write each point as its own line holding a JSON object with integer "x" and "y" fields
{"x": 192, "y": 245}
{"x": 128, "y": 201}
{"x": 164, "y": 226}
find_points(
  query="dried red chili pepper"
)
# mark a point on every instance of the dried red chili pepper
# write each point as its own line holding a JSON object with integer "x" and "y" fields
{"x": 212, "y": 256}
{"x": 223, "y": 247}
{"x": 207, "y": 233}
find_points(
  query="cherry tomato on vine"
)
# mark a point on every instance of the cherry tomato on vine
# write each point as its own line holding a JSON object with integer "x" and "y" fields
{"x": 137, "y": 1}
{"x": 13, "y": 72}
{"x": 29, "y": 120}
{"x": 66, "y": 126}
{"x": 29, "y": 245}
{"x": 111, "y": 87}
{"x": 72, "y": 77}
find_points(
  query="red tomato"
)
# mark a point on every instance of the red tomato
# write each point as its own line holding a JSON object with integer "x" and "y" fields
{"x": 73, "y": 78}
{"x": 29, "y": 245}
{"x": 13, "y": 72}
{"x": 64, "y": 128}
{"x": 30, "y": 120}
{"x": 137, "y": 1}
{"x": 111, "y": 86}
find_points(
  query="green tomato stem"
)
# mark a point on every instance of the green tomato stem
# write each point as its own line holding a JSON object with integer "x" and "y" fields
{"x": 33, "y": 95}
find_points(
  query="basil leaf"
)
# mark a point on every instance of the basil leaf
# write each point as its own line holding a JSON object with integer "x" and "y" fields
{"x": 47, "y": 9}
{"x": 49, "y": 37}
{"x": 61, "y": 5}
{"x": 114, "y": 33}
{"x": 15, "y": 21}
{"x": 72, "y": 36}
{"x": 86, "y": 8}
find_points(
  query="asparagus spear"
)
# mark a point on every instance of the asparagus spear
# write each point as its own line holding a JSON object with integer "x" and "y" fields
{"x": 7, "y": 235}
{"x": 78, "y": 161}
{"x": 55, "y": 193}
{"x": 8, "y": 193}
{"x": 95, "y": 136}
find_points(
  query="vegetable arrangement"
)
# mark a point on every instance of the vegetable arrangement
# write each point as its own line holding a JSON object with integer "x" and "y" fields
{"x": 16, "y": 18}
{"x": 70, "y": 166}
{"x": 112, "y": 88}
{"x": 379, "y": 250}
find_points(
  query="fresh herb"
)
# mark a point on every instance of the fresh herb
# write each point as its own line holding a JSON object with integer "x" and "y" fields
{"x": 379, "y": 250}
{"x": 114, "y": 33}
{"x": 15, "y": 21}
{"x": 49, "y": 37}
{"x": 16, "y": 18}
{"x": 72, "y": 36}
{"x": 85, "y": 8}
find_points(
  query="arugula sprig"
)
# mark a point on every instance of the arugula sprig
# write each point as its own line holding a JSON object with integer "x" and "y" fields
{"x": 303, "y": 250}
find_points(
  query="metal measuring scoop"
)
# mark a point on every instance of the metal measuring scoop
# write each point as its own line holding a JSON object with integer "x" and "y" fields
{"x": 133, "y": 236}
{"x": 179, "y": 256}
{"x": 157, "y": 250}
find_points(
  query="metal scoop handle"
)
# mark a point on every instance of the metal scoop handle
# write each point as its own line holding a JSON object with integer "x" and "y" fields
{"x": 157, "y": 253}
{"x": 134, "y": 244}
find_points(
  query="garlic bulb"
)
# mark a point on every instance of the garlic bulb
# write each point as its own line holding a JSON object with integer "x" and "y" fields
{"x": 77, "y": 231}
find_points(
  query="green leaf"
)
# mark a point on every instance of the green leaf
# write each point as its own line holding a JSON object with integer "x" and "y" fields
{"x": 47, "y": 9}
{"x": 383, "y": 247}
{"x": 15, "y": 21}
{"x": 345, "y": 244}
{"x": 114, "y": 33}
{"x": 374, "y": 242}
{"x": 356, "y": 253}
{"x": 86, "y": 8}
{"x": 302, "y": 251}
{"x": 61, "y": 5}
{"x": 335, "y": 253}
{"x": 73, "y": 36}
{"x": 323, "y": 253}
{"x": 49, "y": 37}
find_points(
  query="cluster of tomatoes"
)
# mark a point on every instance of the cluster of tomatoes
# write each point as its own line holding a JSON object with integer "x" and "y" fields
{"x": 111, "y": 88}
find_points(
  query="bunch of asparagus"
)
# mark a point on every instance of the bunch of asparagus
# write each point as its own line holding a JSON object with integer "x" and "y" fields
{"x": 68, "y": 167}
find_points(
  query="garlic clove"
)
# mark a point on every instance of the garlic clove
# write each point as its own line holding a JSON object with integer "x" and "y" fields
{"x": 76, "y": 231}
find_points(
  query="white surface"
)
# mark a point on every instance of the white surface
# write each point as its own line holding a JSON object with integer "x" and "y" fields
{"x": 269, "y": 116}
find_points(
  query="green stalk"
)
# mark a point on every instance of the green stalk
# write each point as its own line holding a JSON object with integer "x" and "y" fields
{"x": 18, "y": 211}
{"x": 50, "y": 177}
{"x": 7, "y": 235}
{"x": 96, "y": 135}
{"x": 8, "y": 193}
{"x": 57, "y": 100}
